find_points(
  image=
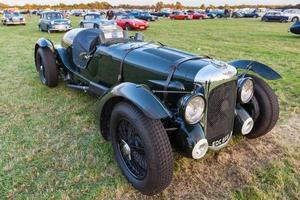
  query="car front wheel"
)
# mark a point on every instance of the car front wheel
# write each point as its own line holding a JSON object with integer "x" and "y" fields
{"x": 295, "y": 19}
{"x": 268, "y": 108}
{"x": 46, "y": 66}
{"x": 142, "y": 149}
{"x": 127, "y": 27}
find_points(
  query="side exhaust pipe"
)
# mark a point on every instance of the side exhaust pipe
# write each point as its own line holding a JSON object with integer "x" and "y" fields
{"x": 243, "y": 121}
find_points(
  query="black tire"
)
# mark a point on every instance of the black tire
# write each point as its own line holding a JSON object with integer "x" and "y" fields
{"x": 127, "y": 27}
{"x": 46, "y": 66}
{"x": 268, "y": 108}
{"x": 283, "y": 21}
{"x": 295, "y": 19}
{"x": 81, "y": 25}
{"x": 156, "y": 156}
{"x": 96, "y": 26}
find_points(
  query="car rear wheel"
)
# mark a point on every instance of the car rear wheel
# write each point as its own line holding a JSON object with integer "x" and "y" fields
{"x": 142, "y": 149}
{"x": 268, "y": 108}
{"x": 283, "y": 21}
{"x": 46, "y": 66}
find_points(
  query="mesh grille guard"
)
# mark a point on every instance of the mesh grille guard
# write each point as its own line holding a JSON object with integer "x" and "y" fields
{"x": 220, "y": 112}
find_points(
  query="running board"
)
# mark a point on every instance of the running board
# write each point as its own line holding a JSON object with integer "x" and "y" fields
{"x": 93, "y": 88}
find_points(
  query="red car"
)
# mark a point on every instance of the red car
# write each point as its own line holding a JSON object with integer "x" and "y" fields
{"x": 180, "y": 15}
{"x": 129, "y": 22}
{"x": 198, "y": 15}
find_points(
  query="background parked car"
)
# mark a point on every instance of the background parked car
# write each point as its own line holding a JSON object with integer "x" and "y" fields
{"x": 217, "y": 13}
{"x": 211, "y": 15}
{"x": 54, "y": 21}
{"x": 144, "y": 16}
{"x": 162, "y": 13}
{"x": 179, "y": 15}
{"x": 295, "y": 28}
{"x": 129, "y": 22}
{"x": 275, "y": 17}
{"x": 293, "y": 14}
{"x": 77, "y": 13}
{"x": 95, "y": 20}
{"x": 13, "y": 18}
{"x": 197, "y": 15}
{"x": 243, "y": 14}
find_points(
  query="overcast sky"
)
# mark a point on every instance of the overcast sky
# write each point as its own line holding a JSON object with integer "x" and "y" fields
{"x": 147, "y": 2}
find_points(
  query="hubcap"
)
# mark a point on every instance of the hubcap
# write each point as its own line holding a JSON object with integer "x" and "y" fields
{"x": 126, "y": 149}
{"x": 131, "y": 149}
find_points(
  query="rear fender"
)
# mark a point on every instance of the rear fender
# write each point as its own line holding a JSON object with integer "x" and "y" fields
{"x": 257, "y": 67}
{"x": 138, "y": 95}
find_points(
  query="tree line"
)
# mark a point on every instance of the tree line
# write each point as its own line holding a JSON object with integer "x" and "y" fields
{"x": 158, "y": 6}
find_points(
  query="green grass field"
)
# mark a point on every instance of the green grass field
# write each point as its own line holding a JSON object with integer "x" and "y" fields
{"x": 50, "y": 147}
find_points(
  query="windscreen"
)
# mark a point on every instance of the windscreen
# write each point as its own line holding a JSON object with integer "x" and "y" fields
{"x": 93, "y": 16}
{"x": 54, "y": 16}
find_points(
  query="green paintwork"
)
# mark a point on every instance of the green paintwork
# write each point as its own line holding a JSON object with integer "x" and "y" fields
{"x": 140, "y": 97}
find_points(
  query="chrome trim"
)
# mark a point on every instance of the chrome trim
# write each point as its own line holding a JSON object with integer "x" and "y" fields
{"x": 215, "y": 71}
{"x": 210, "y": 77}
{"x": 209, "y": 86}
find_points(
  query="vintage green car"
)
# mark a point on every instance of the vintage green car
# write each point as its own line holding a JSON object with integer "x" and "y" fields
{"x": 154, "y": 99}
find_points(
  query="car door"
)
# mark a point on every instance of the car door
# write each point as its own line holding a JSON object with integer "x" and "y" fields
{"x": 46, "y": 22}
{"x": 43, "y": 22}
{"x": 271, "y": 16}
{"x": 278, "y": 17}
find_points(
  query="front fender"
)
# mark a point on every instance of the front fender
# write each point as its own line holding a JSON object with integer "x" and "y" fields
{"x": 139, "y": 96}
{"x": 257, "y": 67}
{"x": 43, "y": 43}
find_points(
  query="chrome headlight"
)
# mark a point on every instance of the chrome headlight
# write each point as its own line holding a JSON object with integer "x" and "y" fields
{"x": 52, "y": 22}
{"x": 246, "y": 89}
{"x": 193, "y": 107}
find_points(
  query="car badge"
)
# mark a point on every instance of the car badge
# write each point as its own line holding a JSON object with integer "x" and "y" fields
{"x": 219, "y": 64}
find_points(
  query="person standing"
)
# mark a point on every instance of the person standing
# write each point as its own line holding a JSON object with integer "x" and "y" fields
{"x": 110, "y": 14}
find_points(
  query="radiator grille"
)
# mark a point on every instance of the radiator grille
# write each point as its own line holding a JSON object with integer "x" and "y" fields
{"x": 220, "y": 112}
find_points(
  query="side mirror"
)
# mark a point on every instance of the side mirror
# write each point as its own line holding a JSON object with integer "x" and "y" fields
{"x": 139, "y": 37}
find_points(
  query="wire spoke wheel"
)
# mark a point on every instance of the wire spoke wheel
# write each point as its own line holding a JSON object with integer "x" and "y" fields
{"x": 131, "y": 149}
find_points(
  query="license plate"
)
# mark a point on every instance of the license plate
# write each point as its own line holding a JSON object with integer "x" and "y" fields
{"x": 60, "y": 27}
{"x": 221, "y": 141}
{"x": 142, "y": 27}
